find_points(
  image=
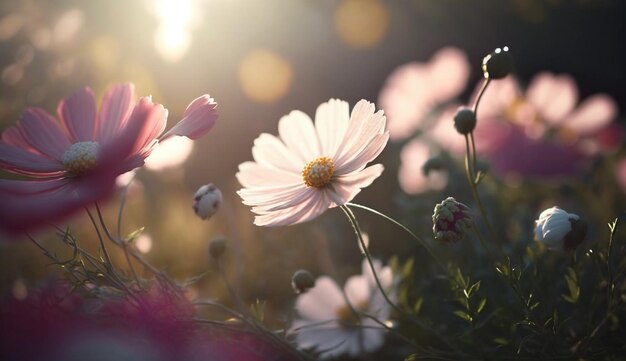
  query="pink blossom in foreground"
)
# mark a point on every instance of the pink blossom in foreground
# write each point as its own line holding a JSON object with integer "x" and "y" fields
{"x": 328, "y": 325}
{"x": 75, "y": 162}
{"x": 413, "y": 90}
{"x": 311, "y": 167}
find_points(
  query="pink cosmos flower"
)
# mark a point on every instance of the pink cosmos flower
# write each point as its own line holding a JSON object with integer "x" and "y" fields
{"x": 412, "y": 176}
{"x": 74, "y": 162}
{"x": 413, "y": 90}
{"x": 311, "y": 167}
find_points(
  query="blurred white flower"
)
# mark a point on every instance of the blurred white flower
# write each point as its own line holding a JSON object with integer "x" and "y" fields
{"x": 559, "y": 230}
{"x": 313, "y": 166}
{"x": 329, "y": 325}
{"x": 207, "y": 201}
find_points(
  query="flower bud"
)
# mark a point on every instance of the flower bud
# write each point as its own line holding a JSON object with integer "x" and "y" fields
{"x": 498, "y": 64}
{"x": 560, "y": 230}
{"x": 302, "y": 280}
{"x": 217, "y": 247}
{"x": 464, "y": 120}
{"x": 451, "y": 220}
{"x": 207, "y": 201}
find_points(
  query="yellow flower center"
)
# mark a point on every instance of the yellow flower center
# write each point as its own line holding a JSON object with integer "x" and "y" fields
{"x": 347, "y": 316}
{"x": 318, "y": 173}
{"x": 81, "y": 157}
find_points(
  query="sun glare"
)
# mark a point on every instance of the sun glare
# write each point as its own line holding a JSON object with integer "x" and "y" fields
{"x": 173, "y": 37}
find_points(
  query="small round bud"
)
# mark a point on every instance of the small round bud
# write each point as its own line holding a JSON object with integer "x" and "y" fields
{"x": 217, "y": 247}
{"x": 560, "y": 230}
{"x": 207, "y": 201}
{"x": 464, "y": 120}
{"x": 302, "y": 280}
{"x": 498, "y": 64}
{"x": 451, "y": 219}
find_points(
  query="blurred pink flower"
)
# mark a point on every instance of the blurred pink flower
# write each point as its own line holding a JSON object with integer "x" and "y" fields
{"x": 328, "y": 324}
{"x": 313, "y": 166}
{"x": 75, "y": 162}
{"x": 413, "y": 90}
{"x": 412, "y": 176}
{"x": 547, "y": 135}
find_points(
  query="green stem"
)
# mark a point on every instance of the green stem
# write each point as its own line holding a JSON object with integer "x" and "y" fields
{"x": 420, "y": 240}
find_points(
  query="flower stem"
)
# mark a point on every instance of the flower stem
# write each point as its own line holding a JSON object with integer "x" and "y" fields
{"x": 420, "y": 240}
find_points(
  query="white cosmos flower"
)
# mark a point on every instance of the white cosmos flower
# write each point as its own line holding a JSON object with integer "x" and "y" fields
{"x": 311, "y": 167}
{"x": 328, "y": 324}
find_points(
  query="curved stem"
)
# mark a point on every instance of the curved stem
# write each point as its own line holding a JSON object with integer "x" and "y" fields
{"x": 483, "y": 87}
{"x": 420, "y": 240}
{"x": 471, "y": 179}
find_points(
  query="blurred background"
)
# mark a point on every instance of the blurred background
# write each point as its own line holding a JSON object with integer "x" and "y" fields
{"x": 260, "y": 60}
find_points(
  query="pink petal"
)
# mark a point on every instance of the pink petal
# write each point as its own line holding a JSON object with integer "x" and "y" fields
{"x": 594, "y": 114}
{"x": 322, "y": 301}
{"x": 116, "y": 107}
{"x": 198, "y": 119}
{"x": 14, "y": 137}
{"x": 331, "y": 123}
{"x": 20, "y": 161}
{"x": 266, "y": 197}
{"x": 447, "y": 74}
{"x": 78, "y": 114}
{"x": 43, "y": 133}
{"x": 298, "y": 133}
{"x": 554, "y": 96}
{"x": 22, "y": 209}
{"x": 498, "y": 97}
{"x": 145, "y": 124}
{"x": 410, "y": 176}
{"x": 364, "y": 127}
{"x": 620, "y": 174}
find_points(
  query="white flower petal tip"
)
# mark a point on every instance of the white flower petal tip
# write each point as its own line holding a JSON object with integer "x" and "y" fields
{"x": 313, "y": 165}
{"x": 560, "y": 230}
{"x": 328, "y": 324}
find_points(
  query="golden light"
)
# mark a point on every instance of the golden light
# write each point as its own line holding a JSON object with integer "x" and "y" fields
{"x": 361, "y": 24}
{"x": 173, "y": 37}
{"x": 265, "y": 76}
{"x": 170, "y": 153}
{"x": 143, "y": 243}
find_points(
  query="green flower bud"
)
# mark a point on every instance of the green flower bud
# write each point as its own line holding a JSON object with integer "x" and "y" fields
{"x": 217, "y": 247}
{"x": 464, "y": 120}
{"x": 498, "y": 64}
{"x": 302, "y": 280}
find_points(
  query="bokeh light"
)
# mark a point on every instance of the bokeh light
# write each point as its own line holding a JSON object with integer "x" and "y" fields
{"x": 170, "y": 153}
{"x": 172, "y": 38}
{"x": 361, "y": 23}
{"x": 265, "y": 76}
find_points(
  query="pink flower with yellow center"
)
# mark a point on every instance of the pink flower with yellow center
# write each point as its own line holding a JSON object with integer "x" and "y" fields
{"x": 311, "y": 167}
{"x": 74, "y": 162}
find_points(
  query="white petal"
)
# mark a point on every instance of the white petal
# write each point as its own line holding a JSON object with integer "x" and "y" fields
{"x": 367, "y": 153}
{"x": 321, "y": 302}
{"x": 306, "y": 211}
{"x": 357, "y": 290}
{"x": 252, "y": 174}
{"x": 331, "y": 123}
{"x": 269, "y": 151}
{"x": 298, "y": 133}
{"x": 594, "y": 114}
{"x": 346, "y": 187}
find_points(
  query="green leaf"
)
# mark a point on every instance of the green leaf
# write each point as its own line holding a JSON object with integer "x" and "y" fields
{"x": 474, "y": 288}
{"x": 418, "y": 305}
{"x": 407, "y": 269}
{"x": 463, "y": 315}
{"x": 481, "y": 305}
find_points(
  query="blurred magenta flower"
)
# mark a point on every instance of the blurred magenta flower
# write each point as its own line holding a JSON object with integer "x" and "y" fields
{"x": 620, "y": 174}
{"x": 313, "y": 166}
{"x": 328, "y": 324}
{"x": 451, "y": 221}
{"x": 414, "y": 90}
{"x": 75, "y": 161}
